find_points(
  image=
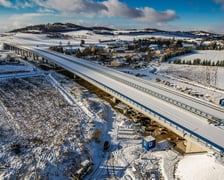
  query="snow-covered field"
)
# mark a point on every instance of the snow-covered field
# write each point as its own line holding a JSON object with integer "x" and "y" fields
{"x": 205, "y": 80}
{"x": 16, "y": 67}
{"x": 179, "y": 78}
{"x": 199, "y": 167}
{"x": 90, "y": 36}
{"x": 42, "y": 40}
{"x": 209, "y": 55}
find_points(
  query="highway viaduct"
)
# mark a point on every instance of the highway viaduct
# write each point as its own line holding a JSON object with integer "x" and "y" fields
{"x": 185, "y": 115}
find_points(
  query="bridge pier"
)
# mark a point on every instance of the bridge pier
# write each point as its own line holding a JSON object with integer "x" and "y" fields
{"x": 75, "y": 76}
{"x": 115, "y": 100}
{"x": 19, "y": 52}
{"x": 45, "y": 60}
{"x": 30, "y": 54}
{"x": 22, "y": 53}
{"x": 33, "y": 56}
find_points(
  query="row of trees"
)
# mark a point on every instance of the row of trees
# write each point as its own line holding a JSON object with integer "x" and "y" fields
{"x": 174, "y": 53}
{"x": 200, "y": 62}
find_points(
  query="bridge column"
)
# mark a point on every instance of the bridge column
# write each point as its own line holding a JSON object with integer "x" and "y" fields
{"x": 17, "y": 51}
{"x": 33, "y": 56}
{"x": 42, "y": 59}
{"x": 76, "y": 77}
{"x": 115, "y": 100}
{"x": 5, "y": 46}
{"x": 45, "y": 61}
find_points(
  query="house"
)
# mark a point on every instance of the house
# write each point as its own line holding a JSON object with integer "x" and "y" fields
{"x": 72, "y": 50}
{"x": 187, "y": 46}
{"x": 118, "y": 62}
{"x": 119, "y": 50}
{"x": 154, "y": 47}
{"x": 158, "y": 52}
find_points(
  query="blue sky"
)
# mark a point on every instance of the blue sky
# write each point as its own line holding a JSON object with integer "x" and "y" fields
{"x": 205, "y": 15}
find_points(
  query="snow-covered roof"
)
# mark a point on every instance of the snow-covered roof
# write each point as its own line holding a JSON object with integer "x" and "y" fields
{"x": 149, "y": 138}
{"x": 154, "y": 46}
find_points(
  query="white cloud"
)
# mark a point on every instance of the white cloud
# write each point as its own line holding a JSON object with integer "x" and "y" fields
{"x": 75, "y": 6}
{"x": 221, "y": 2}
{"x": 5, "y": 3}
{"x": 23, "y": 4}
{"x": 151, "y": 15}
{"x": 70, "y": 10}
{"x": 45, "y": 10}
{"x": 147, "y": 14}
{"x": 116, "y": 8}
{"x": 17, "y": 4}
{"x": 108, "y": 8}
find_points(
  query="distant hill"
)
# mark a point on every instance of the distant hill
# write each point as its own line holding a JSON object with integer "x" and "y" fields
{"x": 57, "y": 28}
{"x": 67, "y": 27}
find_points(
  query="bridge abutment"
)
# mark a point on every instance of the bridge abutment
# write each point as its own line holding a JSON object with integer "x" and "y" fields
{"x": 192, "y": 147}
